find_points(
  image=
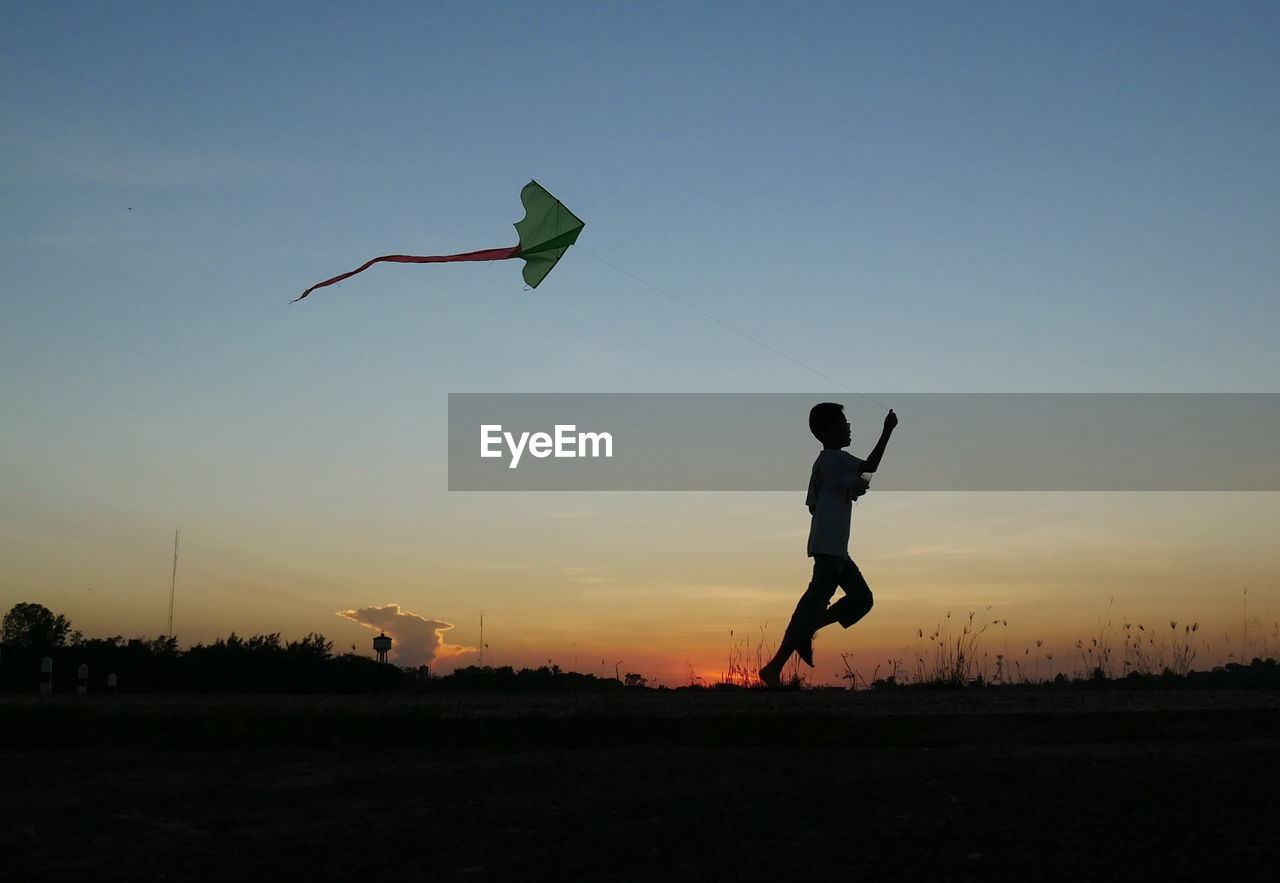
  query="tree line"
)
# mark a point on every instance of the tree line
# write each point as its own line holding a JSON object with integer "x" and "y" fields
{"x": 235, "y": 664}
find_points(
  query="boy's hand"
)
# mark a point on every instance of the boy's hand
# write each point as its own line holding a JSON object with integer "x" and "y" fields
{"x": 860, "y": 485}
{"x": 872, "y": 463}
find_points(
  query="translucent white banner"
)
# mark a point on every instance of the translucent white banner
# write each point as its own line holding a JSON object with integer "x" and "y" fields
{"x": 945, "y": 441}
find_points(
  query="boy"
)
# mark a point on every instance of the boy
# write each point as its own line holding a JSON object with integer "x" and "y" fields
{"x": 835, "y": 482}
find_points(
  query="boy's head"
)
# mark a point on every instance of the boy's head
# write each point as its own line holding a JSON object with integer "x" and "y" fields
{"x": 829, "y": 425}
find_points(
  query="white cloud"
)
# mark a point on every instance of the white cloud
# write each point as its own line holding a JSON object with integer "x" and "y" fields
{"x": 416, "y": 639}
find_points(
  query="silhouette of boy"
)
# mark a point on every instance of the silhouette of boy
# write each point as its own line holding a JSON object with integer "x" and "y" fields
{"x": 835, "y": 482}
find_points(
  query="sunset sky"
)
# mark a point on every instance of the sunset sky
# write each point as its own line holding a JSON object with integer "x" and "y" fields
{"x": 910, "y": 197}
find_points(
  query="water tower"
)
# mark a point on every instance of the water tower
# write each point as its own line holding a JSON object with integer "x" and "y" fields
{"x": 381, "y": 645}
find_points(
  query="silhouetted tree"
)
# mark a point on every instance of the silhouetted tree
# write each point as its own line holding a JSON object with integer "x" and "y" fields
{"x": 34, "y": 627}
{"x": 313, "y": 646}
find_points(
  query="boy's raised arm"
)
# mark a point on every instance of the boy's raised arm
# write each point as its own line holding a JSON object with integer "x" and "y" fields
{"x": 872, "y": 463}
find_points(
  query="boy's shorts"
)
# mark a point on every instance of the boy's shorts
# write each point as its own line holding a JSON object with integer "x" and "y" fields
{"x": 832, "y": 571}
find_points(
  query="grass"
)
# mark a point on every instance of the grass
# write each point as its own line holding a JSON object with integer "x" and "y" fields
{"x": 975, "y": 650}
{"x": 954, "y": 654}
{"x": 745, "y": 659}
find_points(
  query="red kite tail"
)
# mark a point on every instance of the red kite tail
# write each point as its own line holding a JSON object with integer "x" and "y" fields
{"x": 489, "y": 254}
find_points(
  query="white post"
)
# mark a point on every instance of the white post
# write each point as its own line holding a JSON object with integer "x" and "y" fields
{"x": 46, "y": 676}
{"x": 82, "y": 679}
{"x": 111, "y": 682}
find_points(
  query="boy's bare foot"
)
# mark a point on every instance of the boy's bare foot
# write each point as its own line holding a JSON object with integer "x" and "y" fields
{"x": 771, "y": 676}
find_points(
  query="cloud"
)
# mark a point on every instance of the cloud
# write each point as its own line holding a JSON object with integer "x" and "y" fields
{"x": 416, "y": 640}
{"x": 587, "y": 575}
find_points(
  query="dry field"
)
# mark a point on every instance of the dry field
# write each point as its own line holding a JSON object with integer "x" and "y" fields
{"x": 814, "y": 785}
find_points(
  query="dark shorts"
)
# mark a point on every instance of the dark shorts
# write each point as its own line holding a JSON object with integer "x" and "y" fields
{"x": 830, "y": 572}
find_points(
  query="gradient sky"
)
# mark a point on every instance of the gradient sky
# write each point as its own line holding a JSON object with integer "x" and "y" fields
{"x": 914, "y": 197}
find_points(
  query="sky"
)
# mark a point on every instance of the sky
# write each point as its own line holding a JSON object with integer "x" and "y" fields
{"x": 906, "y": 197}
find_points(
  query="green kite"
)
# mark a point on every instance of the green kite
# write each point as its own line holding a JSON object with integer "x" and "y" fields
{"x": 546, "y": 232}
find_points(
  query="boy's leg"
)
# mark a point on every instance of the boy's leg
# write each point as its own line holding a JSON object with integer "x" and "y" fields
{"x": 857, "y": 600}
{"x": 771, "y": 674}
{"x": 807, "y": 617}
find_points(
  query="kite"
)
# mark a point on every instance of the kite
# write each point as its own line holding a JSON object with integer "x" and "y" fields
{"x": 546, "y": 232}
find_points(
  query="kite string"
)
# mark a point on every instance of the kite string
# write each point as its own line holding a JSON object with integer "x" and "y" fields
{"x": 735, "y": 330}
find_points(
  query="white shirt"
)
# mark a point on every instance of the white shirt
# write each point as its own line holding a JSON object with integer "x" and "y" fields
{"x": 834, "y": 484}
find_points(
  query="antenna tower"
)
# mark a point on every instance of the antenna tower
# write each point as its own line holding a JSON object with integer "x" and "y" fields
{"x": 173, "y": 583}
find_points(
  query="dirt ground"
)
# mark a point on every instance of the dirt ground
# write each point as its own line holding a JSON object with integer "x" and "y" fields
{"x": 687, "y": 786}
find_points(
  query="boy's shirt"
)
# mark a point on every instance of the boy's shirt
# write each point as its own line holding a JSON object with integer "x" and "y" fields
{"x": 833, "y": 485}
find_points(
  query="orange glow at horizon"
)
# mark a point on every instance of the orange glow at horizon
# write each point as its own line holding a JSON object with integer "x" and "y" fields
{"x": 660, "y": 581}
